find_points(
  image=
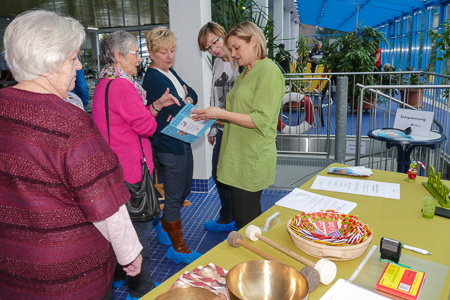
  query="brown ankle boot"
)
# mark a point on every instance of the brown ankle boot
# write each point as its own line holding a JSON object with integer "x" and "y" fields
{"x": 175, "y": 233}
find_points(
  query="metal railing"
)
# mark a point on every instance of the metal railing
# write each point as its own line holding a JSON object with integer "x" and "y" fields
{"x": 346, "y": 125}
{"x": 382, "y": 158}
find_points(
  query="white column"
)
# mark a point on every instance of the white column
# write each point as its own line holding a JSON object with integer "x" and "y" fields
{"x": 295, "y": 30}
{"x": 264, "y": 5}
{"x": 296, "y": 35}
{"x": 287, "y": 27}
{"x": 192, "y": 65}
{"x": 278, "y": 18}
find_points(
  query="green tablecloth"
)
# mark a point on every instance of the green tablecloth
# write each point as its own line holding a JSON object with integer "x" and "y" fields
{"x": 397, "y": 219}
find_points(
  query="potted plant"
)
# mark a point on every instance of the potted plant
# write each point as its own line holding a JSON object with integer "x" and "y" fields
{"x": 302, "y": 51}
{"x": 413, "y": 97}
{"x": 443, "y": 44}
{"x": 355, "y": 52}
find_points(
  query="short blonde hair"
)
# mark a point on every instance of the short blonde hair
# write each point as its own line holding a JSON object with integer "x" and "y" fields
{"x": 39, "y": 41}
{"x": 159, "y": 37}
{"x": 245, "y": 31}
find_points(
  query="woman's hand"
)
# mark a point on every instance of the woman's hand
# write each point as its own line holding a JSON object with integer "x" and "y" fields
{"x": 187, "y": 99}
{"x": 167, "y": 99}
{"x": 209, "y": 113}
{"x": 134, "y": 268}
{"x": 210, "y": 139}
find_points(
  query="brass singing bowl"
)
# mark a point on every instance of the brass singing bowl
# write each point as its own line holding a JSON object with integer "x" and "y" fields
{"x": 264, "y": 279}
{"x": 187, "y": 293}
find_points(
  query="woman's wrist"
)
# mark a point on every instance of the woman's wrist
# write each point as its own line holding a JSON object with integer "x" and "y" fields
{"x": 156, "y": 106}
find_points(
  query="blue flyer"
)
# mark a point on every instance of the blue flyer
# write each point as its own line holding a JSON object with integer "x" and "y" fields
{"x": 184, "y": 128}
{"x": 395, "y": 135}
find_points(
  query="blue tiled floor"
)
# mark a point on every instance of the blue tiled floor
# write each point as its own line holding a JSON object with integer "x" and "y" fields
{"x": 205, "y": 206}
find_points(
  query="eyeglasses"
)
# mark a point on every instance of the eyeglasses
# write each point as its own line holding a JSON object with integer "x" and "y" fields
{"x": 137, "y": 53}
{"x": 212, "y": 45}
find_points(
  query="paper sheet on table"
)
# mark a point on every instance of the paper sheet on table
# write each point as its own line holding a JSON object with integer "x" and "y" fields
{"x": 357, "y": 186}
{"x": 306, "y": 201}
{"x": 344, "y": 290}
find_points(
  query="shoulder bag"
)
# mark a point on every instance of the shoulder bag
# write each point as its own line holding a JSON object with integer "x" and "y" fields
{"x": 143, "y": 205}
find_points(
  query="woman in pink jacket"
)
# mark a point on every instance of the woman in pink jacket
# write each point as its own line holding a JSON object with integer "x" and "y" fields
{"x": 129, "y": 118}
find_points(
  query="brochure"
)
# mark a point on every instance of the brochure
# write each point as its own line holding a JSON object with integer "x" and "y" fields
{"x": 395, "y": 135}
{"x": 351, "y": 171}
{"x": 184, "y": 128}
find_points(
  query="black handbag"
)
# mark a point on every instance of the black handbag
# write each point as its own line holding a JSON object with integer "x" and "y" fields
{"x": 143, "y": 205}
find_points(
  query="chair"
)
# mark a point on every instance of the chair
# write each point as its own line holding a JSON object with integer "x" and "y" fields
{"x": 318, "y": 88}
{"x": 160, "y": 186}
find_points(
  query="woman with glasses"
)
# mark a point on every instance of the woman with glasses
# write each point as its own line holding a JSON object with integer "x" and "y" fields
{"x": 248, "y": 154}
{"x": 224, "y": 73}
{"x": 174, "y": 155}
{"x": 129, "y": 119}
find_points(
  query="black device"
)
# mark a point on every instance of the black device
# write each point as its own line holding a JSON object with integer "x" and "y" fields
{"x": 390, "y": 249}
{"x": 442, "y": 212}
{"x": 406, "y": 131}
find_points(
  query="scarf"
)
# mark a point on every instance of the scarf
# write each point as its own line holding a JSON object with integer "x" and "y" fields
{"x": 114, "y": 72}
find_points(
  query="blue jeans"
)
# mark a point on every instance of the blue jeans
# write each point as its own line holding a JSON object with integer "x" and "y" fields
{"x": 142, "y": 283}
{"x": 226, "y": 211}
{"x": 178, "y": 171}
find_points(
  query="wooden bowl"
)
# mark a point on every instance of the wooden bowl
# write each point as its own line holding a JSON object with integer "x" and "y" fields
{"x": 336, "y": 253}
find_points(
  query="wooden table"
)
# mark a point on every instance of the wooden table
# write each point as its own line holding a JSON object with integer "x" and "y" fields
{"x": 397, "y": 219}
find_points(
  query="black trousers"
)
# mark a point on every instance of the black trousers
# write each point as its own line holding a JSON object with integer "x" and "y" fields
{"x": 246, "y": 206}
{"x": 108, "y": 295}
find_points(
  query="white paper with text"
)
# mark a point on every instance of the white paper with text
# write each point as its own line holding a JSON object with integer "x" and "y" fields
{"x": 357, "y": 186}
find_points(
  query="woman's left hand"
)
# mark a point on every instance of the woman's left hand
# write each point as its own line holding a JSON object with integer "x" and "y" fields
{"x": 187, "y": 99}
{"x": 209, "y": 113}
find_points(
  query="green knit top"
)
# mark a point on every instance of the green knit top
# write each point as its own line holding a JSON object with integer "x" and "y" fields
{"x": 248, "y": 156}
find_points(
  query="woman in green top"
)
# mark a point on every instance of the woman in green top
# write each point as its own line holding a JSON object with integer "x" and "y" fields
{"x": 248, "y": 155}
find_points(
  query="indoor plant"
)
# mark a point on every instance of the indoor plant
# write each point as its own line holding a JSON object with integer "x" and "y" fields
{"x": 413, "y": 97}
{"x": 443, "y": 44}
{"x": 302, "y": 51}
{"x": 229, "y": 13}
{"x": 355, "y": 52}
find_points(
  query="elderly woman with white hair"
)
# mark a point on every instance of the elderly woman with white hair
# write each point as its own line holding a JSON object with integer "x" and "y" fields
{"x": 63, "y": 219}
{"x": 130, "y": 125}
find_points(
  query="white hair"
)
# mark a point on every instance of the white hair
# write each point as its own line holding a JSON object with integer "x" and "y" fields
{"x": 117, "y": 41}
{"x": 37, "y": 42}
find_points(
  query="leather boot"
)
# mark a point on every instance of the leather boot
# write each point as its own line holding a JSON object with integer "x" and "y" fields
{"x": 175, "y": 233}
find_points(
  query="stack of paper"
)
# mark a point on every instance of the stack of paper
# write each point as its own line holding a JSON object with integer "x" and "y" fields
{"x": 351, "y": 171}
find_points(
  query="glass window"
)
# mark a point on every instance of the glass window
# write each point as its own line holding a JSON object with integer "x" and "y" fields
{"x": 435, "y": 14}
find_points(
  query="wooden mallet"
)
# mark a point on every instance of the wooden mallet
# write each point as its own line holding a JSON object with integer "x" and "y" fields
{"x": 235, "y": 239}
{"x": 326, "y": 268}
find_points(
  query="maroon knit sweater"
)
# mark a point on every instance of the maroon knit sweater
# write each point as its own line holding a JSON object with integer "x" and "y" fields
{"x": 57, "y": 175}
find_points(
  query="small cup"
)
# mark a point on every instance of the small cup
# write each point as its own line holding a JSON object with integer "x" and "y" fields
{"x": 428, "y": 207}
